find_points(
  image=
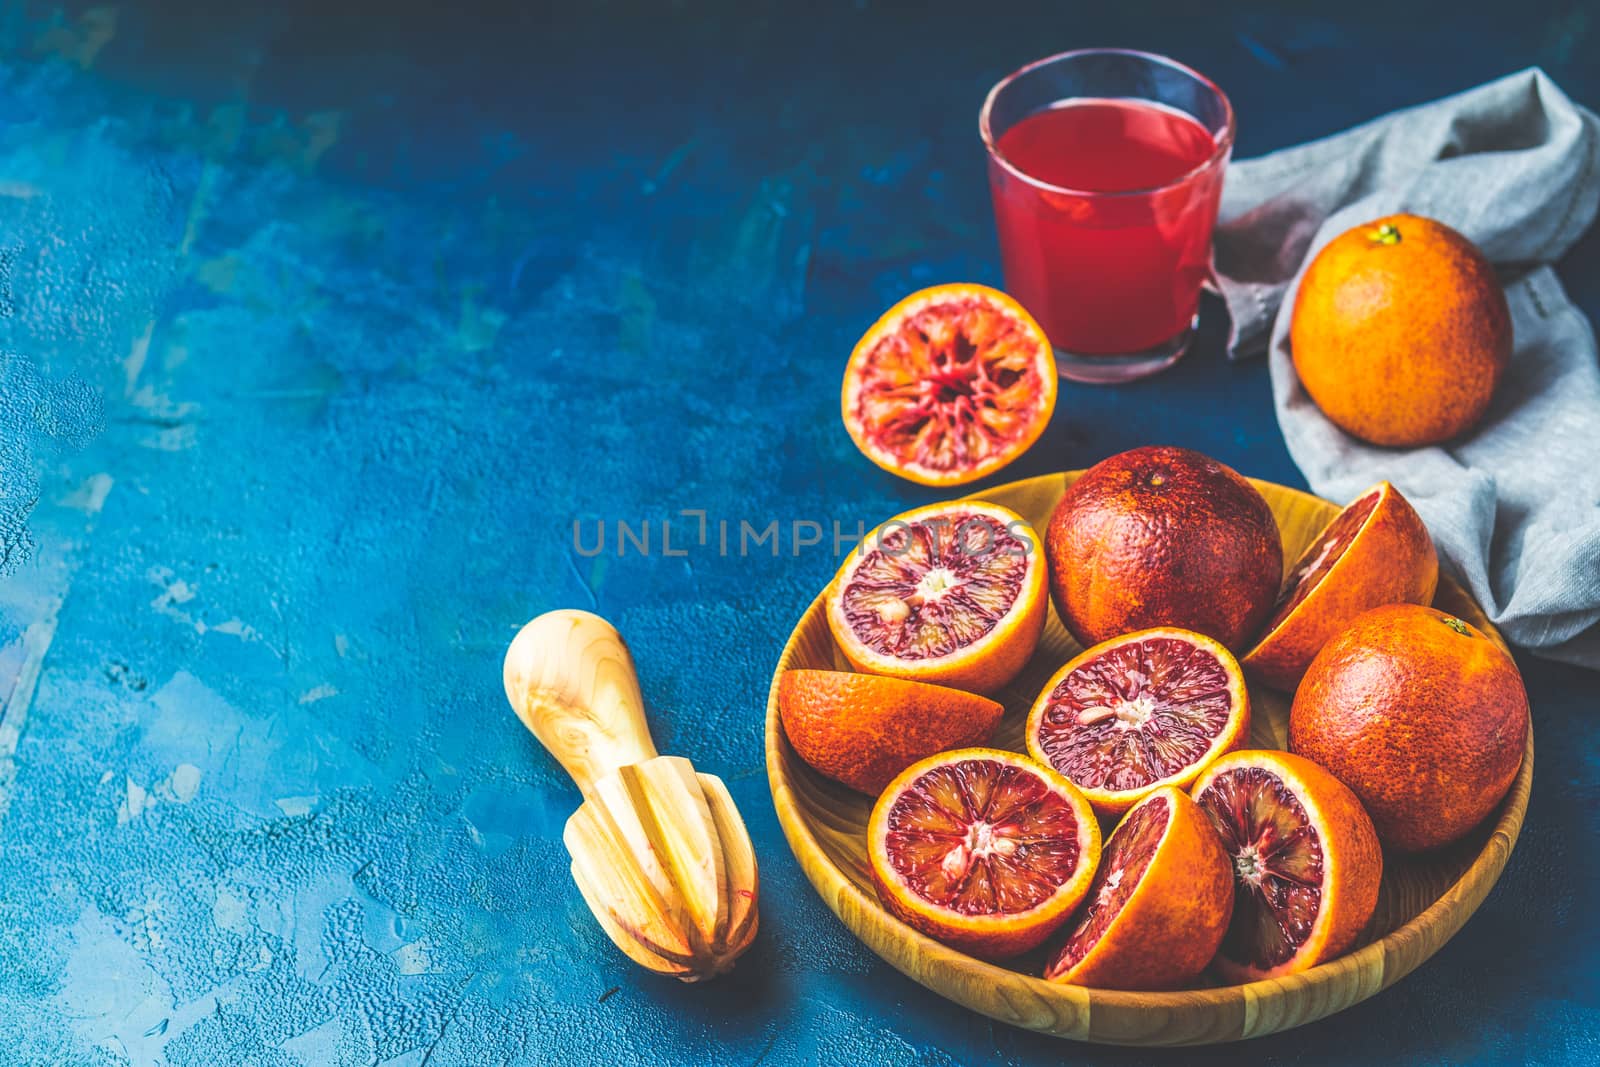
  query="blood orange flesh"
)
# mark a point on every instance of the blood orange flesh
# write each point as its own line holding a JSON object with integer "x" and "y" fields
{"x": 1315, "y": 562}
{"x": 931, "y": 587}
{"x": 1278, "y": 865}
{"x": 1137, "y": 711}
{"x": 951, "y": 384}
{"x": 1127, "y": 854}
{"x": 981, "y": 837}
{"x": 983, "y": 849}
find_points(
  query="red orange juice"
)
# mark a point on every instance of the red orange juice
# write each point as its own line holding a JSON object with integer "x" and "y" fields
{"x": 1107, "y": 275}
{"x": 1106, "y": 170}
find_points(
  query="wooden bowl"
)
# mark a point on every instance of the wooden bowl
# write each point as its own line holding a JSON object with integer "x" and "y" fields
{"x": 1423, "y": 902}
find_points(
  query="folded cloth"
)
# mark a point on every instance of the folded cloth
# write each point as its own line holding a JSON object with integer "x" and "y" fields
{"x": 1514, "y": 504}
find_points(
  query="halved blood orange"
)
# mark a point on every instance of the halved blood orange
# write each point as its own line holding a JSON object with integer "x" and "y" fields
{"x": 1377, "y": 551}
{"x": 1159, "y": 903}
{"x": 1306, "y": 862}
{"x": 950, "y": 385}
{"x": 982, "y": 849}
{"x": 1140, "y": 711}
{"x": 952, "y": 594}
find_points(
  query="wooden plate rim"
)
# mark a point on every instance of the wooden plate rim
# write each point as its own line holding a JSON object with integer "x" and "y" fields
{"x": 870, "y": 923}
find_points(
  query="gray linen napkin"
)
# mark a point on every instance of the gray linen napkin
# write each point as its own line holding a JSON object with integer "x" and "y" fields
{"x": 1514, "y": 505}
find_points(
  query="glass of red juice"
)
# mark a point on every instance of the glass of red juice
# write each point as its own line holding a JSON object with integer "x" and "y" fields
{"x": 1106, "y": 170}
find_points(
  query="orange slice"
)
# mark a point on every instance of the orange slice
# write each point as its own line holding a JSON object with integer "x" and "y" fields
{"x": 1306, "y": 862}
{"x": 950, "y": 385}
{"x": 982, "y": 849}
{"x": 1138, "y": 712}
{"x": 1376, "y": 552}
{"x": 952, "y": 594}
{"x": 863, "y": 729}
{"x": 1159, "y": 903}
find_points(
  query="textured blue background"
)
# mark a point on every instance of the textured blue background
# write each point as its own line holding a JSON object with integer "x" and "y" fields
{"x": 326, "y": 326}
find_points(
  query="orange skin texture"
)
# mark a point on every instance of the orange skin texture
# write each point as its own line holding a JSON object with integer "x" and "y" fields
{"x": 1425, "y": 723}
{"x": 1163, "y": 536}
{"x": 1173, "y": 923}
{"x": 1401, "y": 342}
{"x": 988, "y": 937}
{"x": 1352, "y": 859}
{"x": 1392, "y": 560}
{"x": 863, "y": 729}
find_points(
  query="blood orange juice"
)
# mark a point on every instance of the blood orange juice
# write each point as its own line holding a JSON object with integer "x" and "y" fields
{"x": 1105, "y": 206}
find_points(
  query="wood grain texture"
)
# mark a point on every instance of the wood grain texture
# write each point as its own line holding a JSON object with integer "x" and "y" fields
{"x": 1423, "y": 902}
{"x": 570, "y": 679}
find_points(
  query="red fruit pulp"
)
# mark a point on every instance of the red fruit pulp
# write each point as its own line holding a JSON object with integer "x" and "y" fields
{"x": 982, "y": 837}
{"x": 1315, "y": 562}
{"x": 1278, "y": 864}
{"x": 929, "y": 588}
{"x": 1138, "y": 713}
{"x": 1107, "y": 275}
{"x": 1127, "y": 855}
{"x": 948, "y": 380}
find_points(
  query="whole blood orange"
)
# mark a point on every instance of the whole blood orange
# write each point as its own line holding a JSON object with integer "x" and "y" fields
{"x": 1306, "y": 862}
{"x": 952, "y": 594}
{"x": 1159, "y": 903}
{"x": 863, "y": 729}
{"x": 1421, "y": 714}
{"x": 950, "y": 385}
{"x": 982, "y": 849}
{"x": 1147, "y": 709}
{"x": 1163, "y": 537}
{"x": 1376, "y": 552}
{"x": 1400, "y": 331}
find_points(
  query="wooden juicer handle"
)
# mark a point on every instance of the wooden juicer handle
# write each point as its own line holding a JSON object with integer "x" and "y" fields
{"x": 571, "y": 680}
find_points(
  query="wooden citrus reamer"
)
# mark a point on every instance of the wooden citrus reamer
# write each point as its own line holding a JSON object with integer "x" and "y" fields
{"x": 658, "y": 850}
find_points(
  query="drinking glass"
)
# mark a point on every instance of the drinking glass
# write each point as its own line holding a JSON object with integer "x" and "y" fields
{"x": 1105, "y": 206}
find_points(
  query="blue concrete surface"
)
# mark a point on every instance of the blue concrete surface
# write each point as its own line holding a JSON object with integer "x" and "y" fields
{"x": 323, "y": 326}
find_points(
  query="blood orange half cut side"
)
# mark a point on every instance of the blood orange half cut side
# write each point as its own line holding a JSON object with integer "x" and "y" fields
{"x": 950, "y": 385}
{"x": 952, "y": 594}
{"x": 1147, "y": 709}
{"x": 982, "y": 849}
{"x": 1159, "y": 903}
{"x": 1306, "y": 862}
{"x": 1375, "y": 552}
